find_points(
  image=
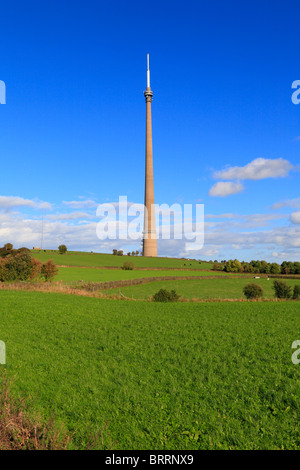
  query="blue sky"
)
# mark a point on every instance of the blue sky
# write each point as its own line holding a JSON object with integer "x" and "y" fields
{"x": 225, "y": 131}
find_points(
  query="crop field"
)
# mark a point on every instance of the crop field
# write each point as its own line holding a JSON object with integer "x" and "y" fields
{"x": 230, "y": 287}
{"x": 165, "y": 376}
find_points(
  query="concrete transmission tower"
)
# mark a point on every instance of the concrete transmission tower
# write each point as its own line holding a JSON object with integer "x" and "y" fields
{"x": 149, "y": 238}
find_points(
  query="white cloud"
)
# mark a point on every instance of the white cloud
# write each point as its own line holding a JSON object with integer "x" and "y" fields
{"x": 71, "y": 216}
{"x": 222, "y": 216}
{"x": 258, "y": 169}
{"x": 44, "y": 205}
{"x": 81, "y": 204}
{"x": 9, "y": 202}
{"x": 227, "y": 188}
{"x": 295, "y": 203}
{"x": 295, "y": 217}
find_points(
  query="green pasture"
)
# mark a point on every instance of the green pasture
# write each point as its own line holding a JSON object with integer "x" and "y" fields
{"x": 165, "y": 376}
{"x": 71, "y": 274}
{"x": 100, "y": 260}
{"x": 201, "y": 289}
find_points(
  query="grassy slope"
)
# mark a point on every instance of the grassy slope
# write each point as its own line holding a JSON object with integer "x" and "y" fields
{"x": 99, "y": 259}
{"x": 201, "y": 289}
{"x": 97, "y": 275}
{"x": 180, "y": 376}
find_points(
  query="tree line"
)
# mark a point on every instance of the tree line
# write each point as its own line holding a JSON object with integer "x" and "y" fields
{"x": 236, "y": 266}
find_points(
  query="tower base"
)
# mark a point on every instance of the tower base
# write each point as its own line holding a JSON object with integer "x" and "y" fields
{"x": 150, "y": 248}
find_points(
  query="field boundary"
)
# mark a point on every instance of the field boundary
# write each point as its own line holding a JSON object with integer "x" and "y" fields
{"x": 136, "y": 268}
{"x": 60, "y": 288}
{"x": 144, "y": 280}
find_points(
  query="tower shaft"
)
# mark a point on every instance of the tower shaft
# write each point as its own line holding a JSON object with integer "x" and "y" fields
{"x": 150, "y": 241}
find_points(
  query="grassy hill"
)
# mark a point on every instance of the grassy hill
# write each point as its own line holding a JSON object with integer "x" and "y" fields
{"x": 73, "y": 258}
{"x": 70, "y": 274}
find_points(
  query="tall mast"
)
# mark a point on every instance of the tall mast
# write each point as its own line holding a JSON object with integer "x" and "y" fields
{"x": 149, "y": 242}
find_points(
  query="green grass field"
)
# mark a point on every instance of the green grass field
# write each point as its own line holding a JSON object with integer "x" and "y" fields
{"x": 201, "y": 289}
{"x": 166, "y": 376}
{"x": 101, "y": 260}
{"x": 68, "y": 274}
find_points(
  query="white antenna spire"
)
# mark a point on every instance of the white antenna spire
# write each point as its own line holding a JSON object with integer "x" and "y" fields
{"x": 148, "y": 72}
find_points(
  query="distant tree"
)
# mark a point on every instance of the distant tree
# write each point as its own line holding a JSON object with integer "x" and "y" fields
{"x": 256, "y": 266}
{"x": 264, "y": 265}
{"x": 137, "y": 252}
{"x": 275, "y": 268}
{"x": 234, "y": 266}
{"x": 120, "y": 253}
{"x": 248, "y": 268}
{"x": 297, "y": 267}
{"x": 128, "y": 254}
{"x": 62, "y": 249}
{"x": 218, "y": 267}
{"x": 268, "y": 268}
{"x": 115, "y": 252}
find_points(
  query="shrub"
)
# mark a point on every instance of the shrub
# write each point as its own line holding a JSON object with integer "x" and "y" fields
{"x": 164, "y": 295}
{"x": 2, "y": 269}
{"x": 253, "y": 291}
{"x": 18, "y": 267}
{"x": 218, "y": 267}
{"x": 49, "y": 270}
{"x": 127, "y": 266}
{"x": 7, "y": 250}
{"x": 282, "y": 290}
{"x": 296, "y": 293}
{"x": 36, "y": 269}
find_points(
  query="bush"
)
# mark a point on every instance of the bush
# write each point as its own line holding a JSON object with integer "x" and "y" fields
{"x": 282, "y": 290}
{"x": 2, "y": 269}
{"x": 36, "y": 269}
{"x": 296, "y": 293}
{"x": 253, "y": 291}
{"x": 18, "y": 267}
{"x": 127, "y": 266}
{"x": 164, "y": 295}
{"x": 49, "y": 270}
